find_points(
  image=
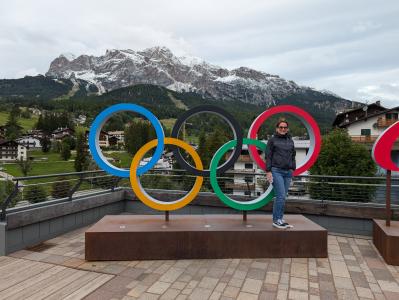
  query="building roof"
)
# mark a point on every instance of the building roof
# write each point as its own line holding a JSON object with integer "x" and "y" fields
{"x": 116, "y": 132}
{"x": 352, "y": 114}
{"x": 59, "y": 130}
{"x": 3, "y": 142}
{"x": 27, "y": 137}
{"x": 357, "y": 116}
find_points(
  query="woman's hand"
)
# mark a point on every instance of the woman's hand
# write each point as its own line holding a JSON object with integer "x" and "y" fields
{"x": 269, "y": 177}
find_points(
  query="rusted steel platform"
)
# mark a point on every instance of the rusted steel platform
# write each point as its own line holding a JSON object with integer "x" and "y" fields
{"x": 386, "y": 240}
{"x": 138, "y": 237}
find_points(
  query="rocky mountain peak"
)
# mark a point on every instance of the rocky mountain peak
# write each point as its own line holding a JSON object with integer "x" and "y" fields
{"x": 159, "y": 66}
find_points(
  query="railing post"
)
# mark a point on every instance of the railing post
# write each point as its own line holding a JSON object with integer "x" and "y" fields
{"x": 166, "y": 215}
{"x": 8, "y": 201}
{"x": 76, "y": 187}
{"x": 244, "y": 215}
{"x": 388, "y": 199}
{"x": 115, "y": 184}
{"x": 248, "y": 189}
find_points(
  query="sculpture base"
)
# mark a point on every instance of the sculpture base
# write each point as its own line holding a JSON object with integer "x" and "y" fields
{"x": 138, "y": 237}
{"x": 386, "y": 240}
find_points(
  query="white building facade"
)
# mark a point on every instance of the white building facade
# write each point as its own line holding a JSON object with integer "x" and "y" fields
{"x": 30, "y": 142}
{"x": 365, "y": 125}
{"x": 119, "y": 134}
{"x": 11, "y": 151}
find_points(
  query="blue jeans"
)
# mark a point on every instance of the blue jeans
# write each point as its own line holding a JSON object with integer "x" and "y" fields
{"x": 281, "y": 183}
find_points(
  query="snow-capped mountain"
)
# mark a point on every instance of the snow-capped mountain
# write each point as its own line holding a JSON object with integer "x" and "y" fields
{"x": 158, "y": 65}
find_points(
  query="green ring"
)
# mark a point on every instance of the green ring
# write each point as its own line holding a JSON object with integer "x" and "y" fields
{"x": 262, "y": 200}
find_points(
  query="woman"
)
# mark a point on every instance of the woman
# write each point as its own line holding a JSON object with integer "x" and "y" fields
{"x": 280, "y": 164}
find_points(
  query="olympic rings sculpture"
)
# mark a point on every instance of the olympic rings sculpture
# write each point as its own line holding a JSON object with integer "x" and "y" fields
{"x": 382, "y": 147}
{"x": 198, "y": 170}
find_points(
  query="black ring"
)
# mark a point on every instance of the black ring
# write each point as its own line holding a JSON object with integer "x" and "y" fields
{"x": 237, "y": 131}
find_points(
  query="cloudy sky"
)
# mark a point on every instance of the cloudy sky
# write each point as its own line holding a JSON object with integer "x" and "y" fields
{"x": 348, "y": 47}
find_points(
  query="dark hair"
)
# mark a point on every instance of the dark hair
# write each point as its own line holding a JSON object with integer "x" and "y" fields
{"x": 282, "y": 120}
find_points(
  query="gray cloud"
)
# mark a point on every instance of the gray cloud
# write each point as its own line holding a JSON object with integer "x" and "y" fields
{"x": 348, "y": 47}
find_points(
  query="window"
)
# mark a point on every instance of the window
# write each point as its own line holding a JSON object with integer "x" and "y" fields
{"x": 248, "y": 166}
{"x": 366, "y": 132}
{"x": 249, "y": 179}
{"x": 391, "y": 116}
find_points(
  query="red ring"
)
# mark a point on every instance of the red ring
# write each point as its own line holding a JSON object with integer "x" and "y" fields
{"x": 383, "y": 146}
{"x": 304, "y": 116}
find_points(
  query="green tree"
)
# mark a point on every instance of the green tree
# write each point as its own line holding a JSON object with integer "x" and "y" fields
{"x": 82, "y": 155}
{"x": 202, "y": 152}
{"x": 65, "y": 151}
{"x": 56, "y": 146}
{"x": 15, "y": 111}
{"x": 13, "y": 129}
{"x": 214, "y": 141}
{"x": 50, "y": 121}
{"x": 137, "y": 134}
{"x": 26, "y": 114}
{"x": 46, "y": 144}
{"x": 71, "y": 141}
{"x": 25, "y": 166}
{"x": 6, "y": 188}
{"x": 40, "y": 123}
{"x": 35, "y": 194}
{"x": 340, "y": 156}
{"x": 131, "y": 143}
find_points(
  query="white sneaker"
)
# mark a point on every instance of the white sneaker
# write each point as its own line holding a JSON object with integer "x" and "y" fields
{"x": 286, "y": 224}
{"x": 280, "y": 225}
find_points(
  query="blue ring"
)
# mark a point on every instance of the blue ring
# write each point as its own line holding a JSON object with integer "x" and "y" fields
{"x": 94, "y": 136}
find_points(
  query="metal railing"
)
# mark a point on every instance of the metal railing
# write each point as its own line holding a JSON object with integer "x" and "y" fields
{"x": 35, "y": 190}
{"x": 25, "y": 192}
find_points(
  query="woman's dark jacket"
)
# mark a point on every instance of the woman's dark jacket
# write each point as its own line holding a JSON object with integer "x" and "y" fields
{"x": 280, "y": 152}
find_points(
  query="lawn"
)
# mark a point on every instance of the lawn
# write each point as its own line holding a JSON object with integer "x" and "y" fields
{"x": 39, "y": 156}
{"x": 54, "y": 164}
{"x": 168, "y": 123}
{"x": 27, "y": 124}
{"x": 42, "y": 168}
{"x": 124, "y": 157}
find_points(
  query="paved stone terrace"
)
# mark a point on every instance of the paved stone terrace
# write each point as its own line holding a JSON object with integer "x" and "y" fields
{"x": 56, "y": 269}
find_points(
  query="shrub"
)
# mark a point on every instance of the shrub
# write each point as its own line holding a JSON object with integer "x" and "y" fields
{"x": 60, "y": 189}
{"x": 35, "y": 194}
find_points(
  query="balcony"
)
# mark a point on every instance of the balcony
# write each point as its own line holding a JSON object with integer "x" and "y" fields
{"x": 383, "y": 122}
{"x": 369, "y": 140}
{"x": 364, "y": 138}
{"x": 245, "y": 158}
{"x": 243, "y": 171}
{"x": 240, "y": 186}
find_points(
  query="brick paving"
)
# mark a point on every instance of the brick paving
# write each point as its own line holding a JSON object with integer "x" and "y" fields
{"x": 354, "y": 270}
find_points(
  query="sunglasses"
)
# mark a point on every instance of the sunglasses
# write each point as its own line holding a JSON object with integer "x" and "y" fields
{"x": 282, "y": 127}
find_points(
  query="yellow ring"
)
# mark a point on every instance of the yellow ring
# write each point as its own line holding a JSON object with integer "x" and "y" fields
{"x": 152, "y": 202}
